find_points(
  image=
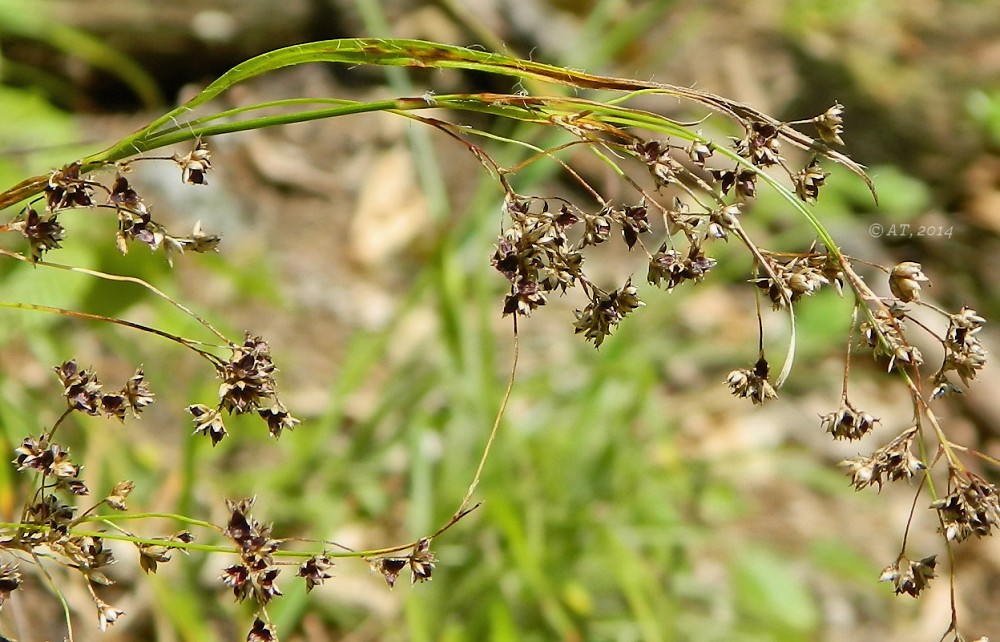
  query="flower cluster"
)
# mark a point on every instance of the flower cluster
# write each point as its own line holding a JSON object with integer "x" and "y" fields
{"x": 885, "y": 336}
{"x": 52, "y": 518}
{"x": 10, "y": 580}
{"x": 905, "y": 279}
{"x": 536, "y": 255}
{"x": 847, "y": 422}
{"x": 50, "y": 460}
{"x": 605, "y": 311}
{"x": 963, "y": 352}
{"x": 247, "y": 386}
{"x": 798, "y": 277}
{"x": 43, "y": 231}
{"x": 894, "y": 461}
{"x": 752, "y": 384}
{"x": 971, "y": 508}
{"x": 68, "y": 188}
{"x": 420, "y": 561}
{"x": 669, "y": 268}
{"x": 82, "y": 390}
{"x": 909, "y": 576}
{"x": 255, "y": 574}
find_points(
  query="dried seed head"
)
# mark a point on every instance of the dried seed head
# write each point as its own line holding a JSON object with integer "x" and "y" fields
{"x": 151, "y": 555}
{"x": 388, "y": 567}
{"x": 237, "y": 577}
{"x": 848, "y": 423}
{"x": 138, "y": 226}
{"x": 80, "y": 387}
{"x": 122, "y": 196}
{"x": 201, "y": 242}
{"x": 66, "y": 189}
{"x": 43, "y": 232}
{"x": 314, "y": 570}
{"x": 971, "y": 508}
{"x": 808, "y": 181}
{"x": 905, "y": 280}
{"x": 52, "y": 512}
{"x": 830, "y": 124}
{"x": 723, "y": 220}
{"x": 208, "y": 421}
{"x": 893, "y": 461}
{"x": 267, "y": 590}
{"x": 963, "y": 352}
{"x": 106, "y": 614}
{"x": 885, "y": 337}
{"x": 116, "y": 499}
{"x": 671, "y": 268}
{"x": 605, "y": 312}
{"x": 421, "y": 561}
{"x": 261, "y": 632}
{"x": 634, "y": 221}
{"x": 49, "y": 459}
{"x": 195, "y": 164}
{"x": 247, "y": 376}
{"x": 597, "y": 228}
{"x": 752, "y": 384}
{"x": 137, "y": 393}
{"x": 761, "y": 145}
{"x": 909, "y": 576}
{"x": 726, "y": 178}
{"x": 10, "y": 580}
{"x": 278, "y": 419}
{"x": 699, "y": 151}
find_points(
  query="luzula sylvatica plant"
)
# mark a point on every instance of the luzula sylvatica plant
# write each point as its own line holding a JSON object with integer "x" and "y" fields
{"x": 688, "y": 192}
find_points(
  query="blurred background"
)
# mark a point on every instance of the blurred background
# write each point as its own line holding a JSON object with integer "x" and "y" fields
{"x": 629, "y": 497}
